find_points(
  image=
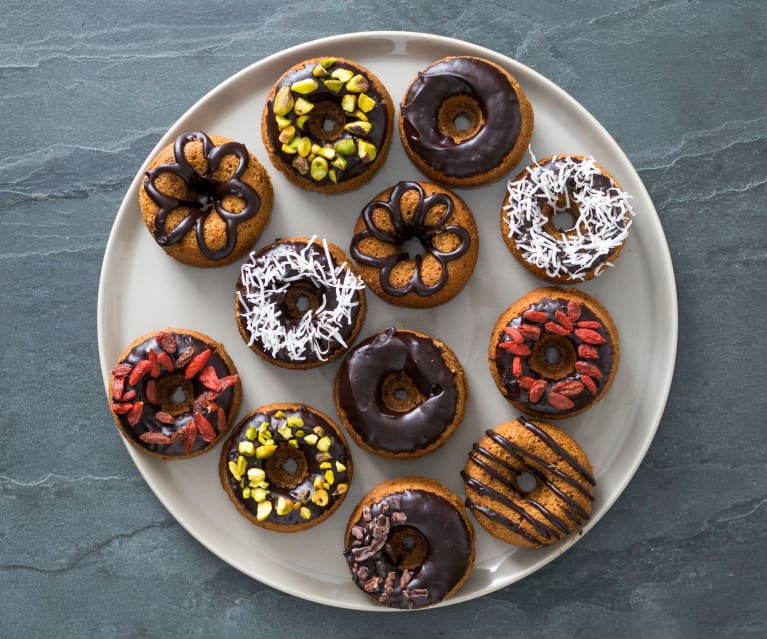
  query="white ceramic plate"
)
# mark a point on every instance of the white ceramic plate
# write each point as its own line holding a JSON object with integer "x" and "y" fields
{"x": 142, "y": 289}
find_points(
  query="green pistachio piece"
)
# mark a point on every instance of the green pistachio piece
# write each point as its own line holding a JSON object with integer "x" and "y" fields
{"x": 333, "y": 85}
{"x": 300, "y": 433}
{"x": 358, "y": 127}
{"x": 293, "y": 443}
{"x": 234, "y": 470}
{"x": 295, "y": 422}
{"x": 264, "y": 510}
{"x": 332, "y": 175}
{"x": 305, "y": 512}
{"x": 263, "y": 452}
{"x": 285, "y": 431}
{"x": 288, "y": 149}
{"x": 283, "y": 101}
{"x": 324, "y": 444}
{"x": 283, "y": 506}
{"x": 330, "y": 477}
{"x": 325, "y": 465}
{"x": 259, "y": 494}
{"x": 251, "y": 433}
{"x": 246, "y": 448}
{"x": 286, "y": 135}
{"x": 317, "y": 483}
{"x": 302, "y": 107}
{"x": 340, "y": 467}
{"x": 366, "y": 103}
{"x": 366, "y": 151}
{"x": 319, "y": 168}
{"x": 318, "y": 430}
{"x": 246, "y": 493}
{"x": 282, "y": 122}
{"x": 300, "y": 163}
{"x": 256, "y": 475}
{"x": 305, "y": 86}
{"x": 304, "y": 148}
{"x": 321, "y": 457}
{"x": 349, "y": 102}
{"x": 320, "y": 498}
{"x": 328, "y": 62}
{"x": 344, "y": 75}
{"x": 279, "y": 414}
{"x": 264, "y": 437}
{"x": 345, "y": 147}
{"x": 341, "y": 489}
{"x": 325, "y": 151}
{"x": 357, "y": 84}
{"x": 263, "y": 426}
{"x": 242, "y": 466}
{"x": 319, "y": 71}
{"x": 300, "y": 121}
{"x": 359, "y": 115}
{"x": 339, "y": 163}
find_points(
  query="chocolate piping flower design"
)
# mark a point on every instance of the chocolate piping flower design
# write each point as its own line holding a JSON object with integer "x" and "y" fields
{"x": 209, "y": 192}
{"x": 404, "y": 230}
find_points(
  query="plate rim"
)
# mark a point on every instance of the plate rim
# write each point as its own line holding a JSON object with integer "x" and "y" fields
{"x": 670, "y": 303}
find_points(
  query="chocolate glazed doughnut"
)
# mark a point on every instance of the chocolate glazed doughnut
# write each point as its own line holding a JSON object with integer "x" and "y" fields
{"x": 500, "y": 121}
{"x": 400, "y": 393}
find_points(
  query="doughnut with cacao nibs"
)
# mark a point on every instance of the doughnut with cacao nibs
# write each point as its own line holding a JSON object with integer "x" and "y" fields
{"x": 174, "y": 393}
{"x": 554, "y": 352}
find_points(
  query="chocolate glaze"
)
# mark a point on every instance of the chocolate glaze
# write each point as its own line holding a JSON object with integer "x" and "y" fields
{"x": 405, "y": 230}
{"x": 338, "y": 452}
{"x": 530, "y": 528}
{"x": 210, "y": 194}
{"x": 278, "y": 297}
{"x": 378, "y": 117}
{"x": 148, "y": 422}
{"x": 358, "y": 391}
{"x": 504, "y": 360}
{"x": 496, "y": 97}
{"x": 449, "y": 549}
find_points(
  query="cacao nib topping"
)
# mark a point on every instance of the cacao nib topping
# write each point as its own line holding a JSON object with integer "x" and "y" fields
{"x": 208, "y": 195}
{"x": 359, "y": 391}
{"x": 495, "y": 96}
{"x": 448, "y": 550}
{"x": 404, "y": 230}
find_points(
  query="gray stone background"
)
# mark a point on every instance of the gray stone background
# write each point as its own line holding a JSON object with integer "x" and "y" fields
{"x": 86, "y": 90}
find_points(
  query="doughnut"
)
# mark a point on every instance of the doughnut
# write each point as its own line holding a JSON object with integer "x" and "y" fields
{"x": 554, "y": 352}
{"x": 565, "y": 218}
{"x": 400, "y": 393}
{"x": 174, "y": 393}
{"x": 286, "y": 467}
{"x": 299, "y": 303}
{"x": 409, "y": 543}
{"x": 446, "y": 230}
{"x": 205, "y": 199}
{"x": 528, "y": 483}
{"x": 465, "y": 121}
{"x": 327, "y": 124}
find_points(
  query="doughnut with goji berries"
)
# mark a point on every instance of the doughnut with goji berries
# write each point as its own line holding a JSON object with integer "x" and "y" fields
{"x": 554, "y": 352}
{"x": 174, "y": 393}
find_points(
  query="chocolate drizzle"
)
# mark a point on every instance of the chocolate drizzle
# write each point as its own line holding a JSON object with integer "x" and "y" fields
{"x": 495, "y": 96}
{"x": 405, "y": 229}
{"x": 358, "y": 391}
{"x": 506, "y": 493}
{"x": 378, "y": 571}
{"x": 207, "y": 195}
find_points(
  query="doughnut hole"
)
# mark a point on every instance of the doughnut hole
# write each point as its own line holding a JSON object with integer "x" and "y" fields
{"x": 287, "y": 467}
{"x": 399, "y": 393}
{"x": 174, "y": 394}
{"x": 553, "y": 357}
{"x": 526, "y": 483}
{"x": 326, "y": 121}
{"x": 460, "y": 117}
{"x": 407, "y": 547}
{"x": 301, "y": 296}
{"x": 561, "y": 218}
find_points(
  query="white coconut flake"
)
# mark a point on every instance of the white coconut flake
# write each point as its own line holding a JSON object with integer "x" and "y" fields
{"x": 317, "y": 333}
{"x": 600, "y": 227}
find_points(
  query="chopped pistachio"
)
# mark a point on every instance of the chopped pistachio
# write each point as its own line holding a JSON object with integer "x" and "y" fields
{"x": 357, "y": 84}
{"x": 285, "y": 431}
{"x": 341, "y": 489}
{"x": 263, "y": 426}
{"x": 300, "y": 121}
{"x": 318, "y": 430}
{"x": 288, "y": 149}
{"x": 320, "y": 498}
{"x": 246, "y": 448}
{"x": 305, "y": 86}
{"x": 256, "y": 475}
{"x": 234, "y": 470}
{"x": 251, "y": 433}
{"x": 360, "y": 115}
{"x": 340, "y": 163}
{"x": 349, "y": 102}
{"x": 283, "y": 506}
{"x": 286, "y": 135}
{"x": 366, "y": 151}
{"x": 282, "y": 122}
{"x": 358, "y": 127}
{"x": 328, "y": 62}
{"x": 340, "y": 467}
{"x": 304, "y": 148}
{"x": 366, "y": 103}
{"x": 342, "y": 74}
{"x": 333, "y": 85}
{"x": 264, "y": 510}
{"x": 302, "y": 107}
{"x": 279, "y": 414}
{"x": 300, "y": 164}
{"x": 295, "y": 422}
{"x": 345, "y": 147}
{"x": 242, "y": 466}
{"x": 262, "y": 452}
{"x": 283, "y": 101}
{"x": 324, "y": 444}
{"x": 259, "y": 494}
{"x": 293, "y": 443}
{"x": 246, "y": 493}
{"x": 319, "y": 168}
{"x": 317, "y": 483}
{"x": 319, "y": 71}
{"x": 325, "y": 465}
{"x": 305, "y": 513}
{"x": 330, "y": 477}
{"x": 264, "y": 437}
{"x": 325, "y": 151}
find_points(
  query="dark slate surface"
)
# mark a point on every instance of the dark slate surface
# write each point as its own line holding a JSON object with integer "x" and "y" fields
{"x": 87, "y": 88}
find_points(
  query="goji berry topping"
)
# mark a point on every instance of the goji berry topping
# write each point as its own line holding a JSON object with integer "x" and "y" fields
{"x": 556, "y": 354}
{"x": 174, "y": 393}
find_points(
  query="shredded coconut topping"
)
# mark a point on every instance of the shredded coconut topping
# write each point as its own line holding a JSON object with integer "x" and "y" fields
{"x": 265, "y": 281}
{"x": 601, "y": 224}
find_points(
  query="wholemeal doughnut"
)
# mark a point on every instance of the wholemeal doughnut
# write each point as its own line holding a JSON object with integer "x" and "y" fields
{"x": 400, "y": 393}
{"x": 445, "y": 229}
{"x": 174, "y": 393}
{"x": 409, "y": 543}
{"x": 206, "y": 199}
{"x": 299, "y": 302}
{"x": 565, "y": 218}
{"x": 528, "y": 483}
{"x": 554, "y": 352}
{"x": 498, "y": 121}
{"x": 327, "y": 124}
{"x": 286, "y": 467}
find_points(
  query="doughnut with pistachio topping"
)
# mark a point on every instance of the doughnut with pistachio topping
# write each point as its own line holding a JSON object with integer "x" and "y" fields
{"x": 565, "y": 218}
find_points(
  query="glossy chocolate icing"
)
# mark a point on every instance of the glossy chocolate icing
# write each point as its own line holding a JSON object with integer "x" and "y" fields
{"x": 208, "y": 193}
{"x": 447, "y": 559}
{"x": 494, "y": 94}
{"x": 148, "y": 422}
{"x": 543, "y": 532}
{"x": 358, "y": 391}
{"x": 405, "y": 230}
